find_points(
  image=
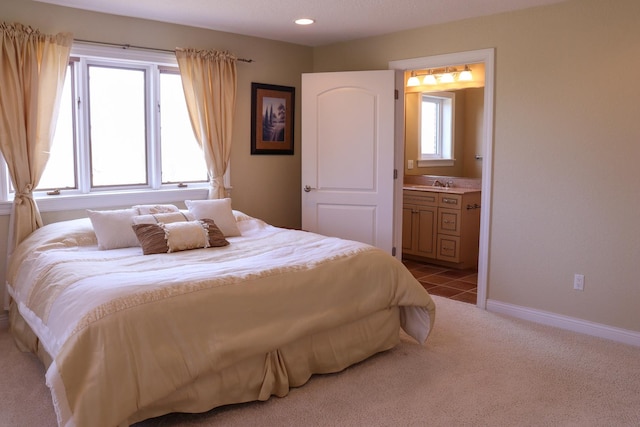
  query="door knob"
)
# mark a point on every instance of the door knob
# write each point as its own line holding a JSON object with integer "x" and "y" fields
{"x": 307, "y": 188}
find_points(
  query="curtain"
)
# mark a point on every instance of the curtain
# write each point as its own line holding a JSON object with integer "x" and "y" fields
{"x": 209, "y": 82}
{"x": 32, "y": 72}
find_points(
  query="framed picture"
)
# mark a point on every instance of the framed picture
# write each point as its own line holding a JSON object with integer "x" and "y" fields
{"x": 272, "y": 114}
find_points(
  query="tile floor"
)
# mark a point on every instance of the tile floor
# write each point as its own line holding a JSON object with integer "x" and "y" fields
{"x": 460, "y": 285}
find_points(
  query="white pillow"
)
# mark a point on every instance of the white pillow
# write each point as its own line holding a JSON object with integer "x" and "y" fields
{"x": 155, "y": 209}
{"x": 219, "y": 210}
{"x": 113, "y": 228}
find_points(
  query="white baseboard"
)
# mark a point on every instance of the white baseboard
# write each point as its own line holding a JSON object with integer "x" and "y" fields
{"x": 564, "y": 322}
{"x": 4, "y": 320}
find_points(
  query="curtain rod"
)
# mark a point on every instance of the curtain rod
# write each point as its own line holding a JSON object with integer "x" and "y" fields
{"x": 129, "y": 46}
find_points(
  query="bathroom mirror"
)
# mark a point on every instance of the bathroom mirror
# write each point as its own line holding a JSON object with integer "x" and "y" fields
{"x": 467, "y": 117}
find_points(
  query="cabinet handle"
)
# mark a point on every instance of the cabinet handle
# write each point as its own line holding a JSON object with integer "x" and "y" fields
{"x": 450, "y": 201}
{"x": 449, "y": 222}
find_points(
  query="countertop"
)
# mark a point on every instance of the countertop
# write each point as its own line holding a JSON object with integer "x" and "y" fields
{"x": 450, "y": 190}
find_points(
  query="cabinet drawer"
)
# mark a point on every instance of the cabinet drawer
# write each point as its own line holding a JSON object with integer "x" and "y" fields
{"x": 453, "y": 201}
{"x": 449, "y": 221}
{"x": 420, "y": 197}
{"x": 448, "y": 248}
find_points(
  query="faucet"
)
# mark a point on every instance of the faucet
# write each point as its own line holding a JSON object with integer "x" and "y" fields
{"x": 438, "y": 183}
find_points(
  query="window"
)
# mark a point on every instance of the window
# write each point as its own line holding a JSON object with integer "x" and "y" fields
{"x": 436, "y": 128}
{"x": 62, "y": 165}
{"x": 181, "y": 162}
{"x": 117, "y": 126}
{"x": 123, "y": 127}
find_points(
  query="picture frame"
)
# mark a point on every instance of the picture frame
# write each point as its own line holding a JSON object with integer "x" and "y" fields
{"x": 272, "y": 117}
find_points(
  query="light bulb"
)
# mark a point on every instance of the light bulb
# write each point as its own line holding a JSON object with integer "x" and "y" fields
{"x": 465, "y": 75}
{"x": 446, "y": 78}
{"x": 430, "y": 79}
{"x": 413, "y": 81}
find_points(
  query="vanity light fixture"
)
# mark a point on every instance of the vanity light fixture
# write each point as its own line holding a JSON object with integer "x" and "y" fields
{"x": 441, "y": 75}
{"x": 430, "y": 78}
{"x": 304, "y": 21}
{"x": 447, "y": 76}
{"x": 465, "y": 75}
{"x": 413, "y": 80}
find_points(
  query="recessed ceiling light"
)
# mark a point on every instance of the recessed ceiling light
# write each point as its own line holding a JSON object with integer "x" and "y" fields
{"x": 304, "y": 21}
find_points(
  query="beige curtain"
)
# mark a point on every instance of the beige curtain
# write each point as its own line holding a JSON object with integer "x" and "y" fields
{"x": 209, "y": 81}
{"x": 32, "y": 72}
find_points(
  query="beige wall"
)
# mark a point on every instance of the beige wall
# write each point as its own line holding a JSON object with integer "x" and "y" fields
{"x": 473, "y": 131}
{"x": 566, "y": 146}
{"x": 263, "y": 186}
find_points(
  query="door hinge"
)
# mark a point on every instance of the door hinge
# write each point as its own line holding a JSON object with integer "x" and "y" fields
{"x": 395, "y": 174}
{"x": 393, "y": 251}
{"x": 397, "y": 94}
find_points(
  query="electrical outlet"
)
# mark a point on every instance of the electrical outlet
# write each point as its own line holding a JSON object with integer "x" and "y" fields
{"x": 578, "y": 282}
{"x": 409, "y": 164}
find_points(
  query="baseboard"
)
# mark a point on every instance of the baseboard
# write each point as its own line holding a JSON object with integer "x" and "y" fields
{"x": 565, "y": 322}
{"x": 4, "y": 320}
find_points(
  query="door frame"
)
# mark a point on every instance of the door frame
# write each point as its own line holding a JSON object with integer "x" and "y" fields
{"x": 487, "y": 56}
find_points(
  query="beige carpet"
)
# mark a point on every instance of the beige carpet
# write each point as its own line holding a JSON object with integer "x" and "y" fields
{"x": 477, "y": 369}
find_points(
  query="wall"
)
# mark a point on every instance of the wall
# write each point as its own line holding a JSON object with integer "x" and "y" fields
{"x": 565, "y": 197}
{"x": 473, "y": 130}
{"x": 263, "y": 186}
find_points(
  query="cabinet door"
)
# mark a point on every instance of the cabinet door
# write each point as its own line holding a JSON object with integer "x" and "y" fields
{"x": 408, "y": 241}
{"x": 427, "y": 227}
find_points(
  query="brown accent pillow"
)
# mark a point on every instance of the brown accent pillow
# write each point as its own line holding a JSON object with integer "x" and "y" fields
{"x": 153, "y": 239}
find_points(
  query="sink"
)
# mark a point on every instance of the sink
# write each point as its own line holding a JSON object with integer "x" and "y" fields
{"x": 456, "y": 190}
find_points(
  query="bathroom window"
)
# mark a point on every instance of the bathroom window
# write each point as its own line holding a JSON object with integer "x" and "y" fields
{"x": 436, "y": 129}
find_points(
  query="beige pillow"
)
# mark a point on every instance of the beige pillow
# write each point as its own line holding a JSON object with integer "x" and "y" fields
{"x": 113, "y": 228}
{"x": 178, "y": 236}
{"x": 218, "y": 210}
{"x": 165, "y": 218}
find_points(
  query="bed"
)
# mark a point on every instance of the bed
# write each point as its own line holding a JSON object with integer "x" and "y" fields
{"x": 126, "y": 336}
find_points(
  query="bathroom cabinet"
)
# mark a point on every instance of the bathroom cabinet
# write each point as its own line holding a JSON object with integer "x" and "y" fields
{"x": 441, "y": 227}
{"x": 419, "y": 223}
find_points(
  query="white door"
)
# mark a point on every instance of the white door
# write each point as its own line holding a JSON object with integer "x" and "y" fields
{"x": 348, "y": 155}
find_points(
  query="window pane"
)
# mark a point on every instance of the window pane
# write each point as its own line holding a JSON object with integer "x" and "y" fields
{"x": 117, "y": 123}
{"x": 60, "y": 170}
{"x": 182, "y": 157}
{"x": 429, "y": 127}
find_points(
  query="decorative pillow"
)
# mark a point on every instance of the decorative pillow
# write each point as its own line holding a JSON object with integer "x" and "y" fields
{"x": 113, "y": 228}
{"x": 218, "y": 210}
{"x": 166, "y": 218}
{"x": 155, "y": 209}
{"x": 178, "y": 236}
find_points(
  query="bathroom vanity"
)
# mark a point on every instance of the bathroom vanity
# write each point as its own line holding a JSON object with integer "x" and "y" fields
{"x": 441, "y": 225}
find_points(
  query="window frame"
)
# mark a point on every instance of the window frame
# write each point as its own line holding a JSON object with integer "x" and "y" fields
{"x": 444, "y": 155}
{"x": 85, "y": 197}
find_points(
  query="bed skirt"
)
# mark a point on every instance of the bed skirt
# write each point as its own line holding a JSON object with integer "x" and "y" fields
{"x": 263, "y": 375}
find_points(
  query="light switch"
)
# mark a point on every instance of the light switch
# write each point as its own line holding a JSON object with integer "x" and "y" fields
{"x": 409, "y": 164}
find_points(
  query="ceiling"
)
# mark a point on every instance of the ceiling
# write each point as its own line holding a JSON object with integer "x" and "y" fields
{"x": 336, "y": 20}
